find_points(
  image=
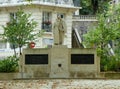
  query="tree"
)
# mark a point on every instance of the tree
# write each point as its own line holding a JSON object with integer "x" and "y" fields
{"x": 93, "y": 6}
{"x": 107, "y": 30}
{"x": 19, "y": 31}
{"x": 101, "y": 35}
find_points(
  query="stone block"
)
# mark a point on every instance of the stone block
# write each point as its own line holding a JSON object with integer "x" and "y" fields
{"x": 59, "y": 62}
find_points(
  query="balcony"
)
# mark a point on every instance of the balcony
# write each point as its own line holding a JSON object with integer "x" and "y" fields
{"x": 46, "y": 2}
{"x": 85, "y": 18}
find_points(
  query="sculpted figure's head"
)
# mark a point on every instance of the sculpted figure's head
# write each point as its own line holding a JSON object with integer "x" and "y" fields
{"x": 59, "y": 17}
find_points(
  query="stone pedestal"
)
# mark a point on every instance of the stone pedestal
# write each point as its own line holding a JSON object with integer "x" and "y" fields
{"x": 59, "y": 61}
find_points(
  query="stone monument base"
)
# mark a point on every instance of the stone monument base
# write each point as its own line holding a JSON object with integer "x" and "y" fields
{"x": 59, "y": 61}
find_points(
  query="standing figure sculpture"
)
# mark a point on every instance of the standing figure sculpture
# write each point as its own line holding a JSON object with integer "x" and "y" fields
{"x": 59, "y": 30}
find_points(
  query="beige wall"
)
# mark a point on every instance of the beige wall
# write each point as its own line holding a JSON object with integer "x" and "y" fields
{"x": 4, "y": 17}
{"x": 88, "y": 70}
{"x": 35, "y": 70}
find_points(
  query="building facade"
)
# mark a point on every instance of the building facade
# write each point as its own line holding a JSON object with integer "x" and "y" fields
{"x": 43, "y": 12}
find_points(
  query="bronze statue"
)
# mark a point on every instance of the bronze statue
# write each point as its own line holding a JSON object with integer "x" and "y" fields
{"x": 59, "y": 30}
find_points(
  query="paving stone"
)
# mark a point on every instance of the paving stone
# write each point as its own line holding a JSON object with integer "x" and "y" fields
{"x": 60, "y": 84}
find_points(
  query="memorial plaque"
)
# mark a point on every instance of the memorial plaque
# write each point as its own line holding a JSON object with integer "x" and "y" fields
{"x": 82, "y": 58}
{"x": 36, "y": 59}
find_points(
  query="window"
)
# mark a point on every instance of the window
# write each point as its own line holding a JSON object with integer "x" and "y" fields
{"x": 47, "y": 42}
{"x": 20, "y": 0}
{"x": 13, "y": 15}
{"x": 47, "y": 1}
{"x": 76, "y": 3}
{"x": 46, "y": 21}
{"x": 68, "y": 2}
{"x": 3, "y": 44}
{"x": 62, "y": 15}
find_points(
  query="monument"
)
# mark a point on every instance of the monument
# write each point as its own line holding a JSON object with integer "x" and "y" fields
{"x": 59, "y": 30}
{"x": 58, "y": 57}
{"x": 60, "y": 61}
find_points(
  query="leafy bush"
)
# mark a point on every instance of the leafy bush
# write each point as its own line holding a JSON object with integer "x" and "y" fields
{"x": 9, "y": 64}
{"x": 110, "y": 64}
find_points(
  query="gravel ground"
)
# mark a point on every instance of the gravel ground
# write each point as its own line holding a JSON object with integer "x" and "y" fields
{"x": 60, "y": 84}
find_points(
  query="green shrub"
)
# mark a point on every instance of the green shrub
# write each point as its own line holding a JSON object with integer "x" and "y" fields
{"x": 110, "y": 64}
{"x": 9, "y": 64}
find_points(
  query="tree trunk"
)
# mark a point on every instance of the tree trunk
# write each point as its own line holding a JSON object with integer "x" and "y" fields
{"x": 20, "y": 50}
{"x": 14, "y": 50}
{"x": 94, "y": 6}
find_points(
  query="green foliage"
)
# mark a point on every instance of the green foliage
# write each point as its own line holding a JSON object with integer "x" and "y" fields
{"x": 19, "y": 31}
{"x": 90, "y": 7}
{"x": 110, "y": 64}
{"x": 9, "y": 64}
{"x": 86, "y": 7}
{"x": 101, "y": 34}
{"x": 108, "y": 29}
{"x": 103, "y": 6}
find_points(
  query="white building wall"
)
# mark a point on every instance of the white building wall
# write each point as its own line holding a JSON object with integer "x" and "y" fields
{"x": 4, "y": 18}
{"x": 36, "y": 14}
{"x": 36, "y": 10}
{"x": 69, "y": 30}
{"x": 117, "y": 1}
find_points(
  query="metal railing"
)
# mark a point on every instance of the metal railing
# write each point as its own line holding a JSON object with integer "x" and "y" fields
{"x": 85, "y": 17}
{"x": 78, "y": 38}
{"x": 61, "y": 2}
{"x": 111, "y": 51}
